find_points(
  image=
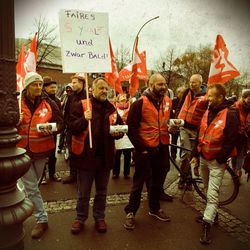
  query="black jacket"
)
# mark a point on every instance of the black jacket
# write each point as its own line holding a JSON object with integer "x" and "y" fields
{"x": 102, "y": 141}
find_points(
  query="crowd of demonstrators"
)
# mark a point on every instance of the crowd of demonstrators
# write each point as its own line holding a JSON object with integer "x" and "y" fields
{"x": 212, "y": 127}
{"x": 243, "y": 104}
{"x": 93, "y": 164}
{"x": 79, "y": 93}
{"x": 175, "y": 135}
{"x": 122, "y": 145}
{"x": 148, "y": 131}
{"x": 49, "y": 89}
{"x": 191, "y": 108}
{"x": 37, "y": 108}
{"x": 63, "y": 139}
{"x": 218, "y": 135}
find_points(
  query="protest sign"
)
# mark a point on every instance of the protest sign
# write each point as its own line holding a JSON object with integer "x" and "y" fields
{"x": 84, "y": 41}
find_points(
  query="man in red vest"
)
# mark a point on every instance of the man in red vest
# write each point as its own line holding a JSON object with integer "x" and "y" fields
{"x": 242, "y": 145}
{"x": 93, "y": 164}
{"x": 148, "y": 131}
{"x": 37, "y": 108}
{"x": 191, "y": 108}
{"x": 218, "y": 135}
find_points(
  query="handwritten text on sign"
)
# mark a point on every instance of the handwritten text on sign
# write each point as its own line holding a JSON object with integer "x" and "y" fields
{"x": 84, "y": 41}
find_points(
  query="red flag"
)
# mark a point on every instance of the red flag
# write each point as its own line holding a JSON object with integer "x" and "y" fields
{"x": 221, "y": 70}
{"x": 20, "y": 70}
{"x": 31, "y": 56}
{"x": 113, "y": 77}
{"x": 134, "y": 81}
{"x": 126, "y": 73}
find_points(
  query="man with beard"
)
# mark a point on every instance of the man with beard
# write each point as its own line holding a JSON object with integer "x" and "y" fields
{"x": 217, "y": 138}
{"x": 93, "y": 164}
{"x": 148, "y": 131}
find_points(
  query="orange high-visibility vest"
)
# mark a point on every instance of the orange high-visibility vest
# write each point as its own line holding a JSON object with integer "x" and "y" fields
{"x": 244, "y": 118}
{"x": 193, "y": 110}
{"x": 78, "y": 141}
{"x": 31, "y": 138}
{"x": 154, "y": 125}
{"x": 211, "y": 137}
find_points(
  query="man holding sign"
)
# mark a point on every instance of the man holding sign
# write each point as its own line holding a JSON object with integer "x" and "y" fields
{"x": 93, "y": 164}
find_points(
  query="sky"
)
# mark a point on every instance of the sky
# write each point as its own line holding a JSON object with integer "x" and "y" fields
{"x": 181, "y": 23}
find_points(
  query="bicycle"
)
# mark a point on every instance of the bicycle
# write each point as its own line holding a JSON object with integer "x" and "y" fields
{"x": 230, "y": 184}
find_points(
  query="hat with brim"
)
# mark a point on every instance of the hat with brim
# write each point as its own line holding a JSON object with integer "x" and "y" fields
{"x": 47, "y": 80}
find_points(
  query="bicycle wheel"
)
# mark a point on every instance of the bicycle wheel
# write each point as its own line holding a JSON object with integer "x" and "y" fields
{"x": 228, "y": 191}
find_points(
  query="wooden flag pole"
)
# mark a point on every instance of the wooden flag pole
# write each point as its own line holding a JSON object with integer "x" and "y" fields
{"x": 88, "y": 107}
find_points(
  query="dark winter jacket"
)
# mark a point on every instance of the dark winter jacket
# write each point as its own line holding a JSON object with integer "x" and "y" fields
{"x": 102, "y": 141}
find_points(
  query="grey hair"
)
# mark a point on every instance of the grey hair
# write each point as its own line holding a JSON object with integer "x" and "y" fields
{"x": 95, "y": 82}
{"x": 199, "y": 76}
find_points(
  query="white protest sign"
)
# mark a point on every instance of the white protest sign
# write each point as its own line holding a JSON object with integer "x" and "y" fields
{"x": 84, "y": 41}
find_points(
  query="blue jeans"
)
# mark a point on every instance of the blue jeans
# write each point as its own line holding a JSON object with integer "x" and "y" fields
{"x": 30, "y": 182}
{"x": 85, "y": 179}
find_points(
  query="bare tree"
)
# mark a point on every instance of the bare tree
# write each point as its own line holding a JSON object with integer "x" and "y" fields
{"x": 195, "y": 61}
{"x": 122, "y": 56}
{"x": 46, "y": 37}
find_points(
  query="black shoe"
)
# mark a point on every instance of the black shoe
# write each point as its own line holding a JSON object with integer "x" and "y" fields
{"x": 115, "y": 176}
{"x": 166, "y": 197}
{"x": 205, "y": 235}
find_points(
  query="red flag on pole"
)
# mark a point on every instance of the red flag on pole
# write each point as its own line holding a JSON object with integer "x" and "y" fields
{"x": 221, "y": 70}
{"x": 113, "y": 77}
{"x": 134, "y": 81}
{"x": 126, "y": 73}
{"x": 20, "y": 70}
{"x": 31, "y": 56}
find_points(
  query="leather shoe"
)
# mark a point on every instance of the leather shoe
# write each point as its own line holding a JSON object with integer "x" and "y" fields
{"x": 69, "y": 179}
{"x": 101, "y": 226}
{"x": 166, "y": 197}
{"x": 39, "y": 229}
{"x": 76, "y": 227}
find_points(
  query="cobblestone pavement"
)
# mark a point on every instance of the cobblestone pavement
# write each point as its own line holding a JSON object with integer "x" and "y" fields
{"x": 227, "y": 222}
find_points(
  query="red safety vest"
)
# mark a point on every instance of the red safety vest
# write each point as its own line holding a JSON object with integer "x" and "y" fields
{"x": 78, "y": 141}
{"x": 154, "y": 125}
{"x": 31, "y": 138}
{"x": 244, "y": 118}
{"x": 211, "y": 137}
{"x": 193, "y": 110}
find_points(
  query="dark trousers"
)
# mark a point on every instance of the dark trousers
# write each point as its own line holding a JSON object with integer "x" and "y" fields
{"x": 85, "y": 178}
{"x": 52, "y": 161}
{"x": 152, "y": 166}
{"x": 174, "y": 139}
{"x": 52, "y": 164}
{"x": 127, "y": 160}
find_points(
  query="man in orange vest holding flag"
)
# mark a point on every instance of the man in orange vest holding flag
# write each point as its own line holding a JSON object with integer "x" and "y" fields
{"x": 217, "y": 138}
{"x": 148, "y": 131}
{"x": 39, "y": 143}
{"x": 191, "y": 108}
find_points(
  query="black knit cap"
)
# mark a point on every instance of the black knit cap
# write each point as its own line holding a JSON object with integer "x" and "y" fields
{"x": 47, "y": 80}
